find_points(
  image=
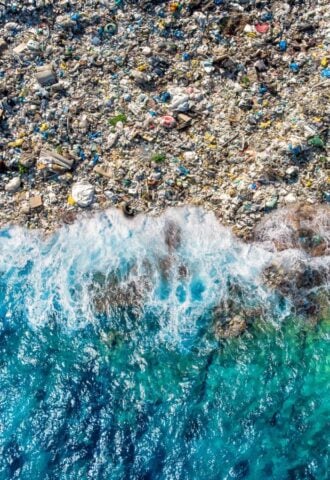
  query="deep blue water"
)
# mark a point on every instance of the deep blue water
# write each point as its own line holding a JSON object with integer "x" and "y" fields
{"x": 110, "y": 368}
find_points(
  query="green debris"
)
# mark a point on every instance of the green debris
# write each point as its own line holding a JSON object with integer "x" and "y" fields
{"x": 126, "y": 182}
{"x": 245, "y": 81}
{"x": 271, "y": 203}
{"x": 158, "y": 157}
{"x": 22, "y": 169}
{"x": 316, "y": 141}
{"x": 121, "y": 117}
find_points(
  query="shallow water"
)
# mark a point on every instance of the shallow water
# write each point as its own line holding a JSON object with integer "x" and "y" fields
{"x": 139, "y": 387}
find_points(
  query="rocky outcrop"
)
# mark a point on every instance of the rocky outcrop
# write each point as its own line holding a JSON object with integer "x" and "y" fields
{"x": 300, "y": 269}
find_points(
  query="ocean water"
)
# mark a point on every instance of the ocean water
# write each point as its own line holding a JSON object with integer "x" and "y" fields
{"x": 111, "y": 367}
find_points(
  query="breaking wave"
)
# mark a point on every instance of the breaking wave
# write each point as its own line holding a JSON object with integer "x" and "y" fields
{"x": 164, "y": 348}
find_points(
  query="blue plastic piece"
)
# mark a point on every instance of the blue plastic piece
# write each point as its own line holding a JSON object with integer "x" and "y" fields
{"x": 294, "y": 67}
{"x": 266, "y": 17}
{"x": 165, "y": 97}
{"x": 263, "y": 89}
{"x": 81, "y": 154}
{"x": 325, "y": 73}
{"x": 75, "y": 17}
{"x": 295, "y": 150}
{"x": 178, "y": 34}
{"x": 183, "y": 170}
{"x": 283, "y": 45}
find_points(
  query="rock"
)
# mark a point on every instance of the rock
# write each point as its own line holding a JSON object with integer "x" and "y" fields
{"x": 35, "y": 202}
{"x": 13, "y": 185}
{"x": 69, "y": 217}
{"x": 303, "y": 227}
{"x": 83, "y": 194}
{"x": 299, "y": 236}
{"x": 290, "y": 199}
{"x": 25, "y": 208}
{"x": 104, "y": 171}
{"x": 146, "y": 51}
{"x": 232, "y": 328}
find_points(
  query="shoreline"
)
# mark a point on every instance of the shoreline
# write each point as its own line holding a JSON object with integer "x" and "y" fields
{"x": 293, "y": 244}
{"x": 41, "y": 222}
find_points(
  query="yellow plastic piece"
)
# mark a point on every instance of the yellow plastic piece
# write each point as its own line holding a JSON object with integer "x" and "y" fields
{"x": 209, "y": 137}
{"x": 71, "y": 201}
{"x": 16, "y": 143}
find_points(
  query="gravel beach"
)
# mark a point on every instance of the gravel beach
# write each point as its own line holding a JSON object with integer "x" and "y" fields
{"x": 148, "y": 105}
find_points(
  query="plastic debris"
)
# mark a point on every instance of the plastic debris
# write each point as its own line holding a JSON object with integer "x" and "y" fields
{"x": 294, "y": 67}
{"x": 283, "y": 45}
{"x": 155, "y": 104}
{"x": 326, "y": 73}
{"x": 167, "y": 121}
{"x": 45, "y": 75}
{"x": 54, "y": 162}
{"x": 83, "y": 194}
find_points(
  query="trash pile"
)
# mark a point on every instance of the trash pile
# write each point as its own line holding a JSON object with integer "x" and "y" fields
{"x": 149, "y": 104}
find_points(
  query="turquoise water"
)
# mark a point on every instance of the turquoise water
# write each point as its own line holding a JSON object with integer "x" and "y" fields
{"x": 138, "y": 386}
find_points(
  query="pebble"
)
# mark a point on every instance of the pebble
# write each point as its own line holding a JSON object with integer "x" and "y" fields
{"x": 290, "y": 199}
{"x": 35, "y": 202}
{"x": 13, "y": 185}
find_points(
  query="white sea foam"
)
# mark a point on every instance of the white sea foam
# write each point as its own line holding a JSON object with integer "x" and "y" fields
{"x": 180, "y": 274}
